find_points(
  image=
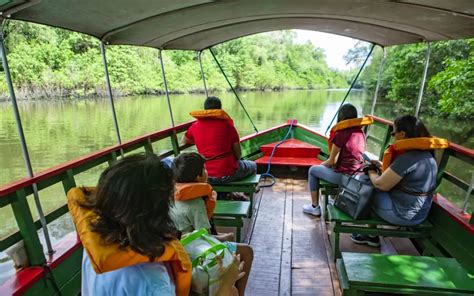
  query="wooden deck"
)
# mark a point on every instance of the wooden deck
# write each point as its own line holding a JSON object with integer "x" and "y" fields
{"x": 291, "y": 249}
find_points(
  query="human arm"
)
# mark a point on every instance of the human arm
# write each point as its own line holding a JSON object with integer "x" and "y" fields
{"x": 185, "y": 140}
{"x": 333, "y": 156}
{"x": 386, "y": 181}
{"x": 236, "y": 150}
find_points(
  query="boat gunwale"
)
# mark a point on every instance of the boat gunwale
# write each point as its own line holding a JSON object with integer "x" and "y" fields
{"x": 11, "y": 187}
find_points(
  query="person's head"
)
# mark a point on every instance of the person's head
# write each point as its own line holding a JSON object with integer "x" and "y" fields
{"x": 347, "y": 111}
{"x": 212, "y": 103}
{"x": 189, "y": 167}
{"x": 132, "y": 200}
{"x": 409, "y": 126}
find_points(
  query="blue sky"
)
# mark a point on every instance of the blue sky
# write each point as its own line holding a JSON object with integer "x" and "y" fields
{"x": 334, "y": 46}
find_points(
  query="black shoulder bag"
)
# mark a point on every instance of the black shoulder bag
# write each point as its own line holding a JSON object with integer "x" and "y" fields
{"x": 355, "y": 196}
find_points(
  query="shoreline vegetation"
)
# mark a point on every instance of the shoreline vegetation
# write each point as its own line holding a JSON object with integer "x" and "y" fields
{"x": 56, "y": 64}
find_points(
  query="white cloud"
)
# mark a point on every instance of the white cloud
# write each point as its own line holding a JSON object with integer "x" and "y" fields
{"x": 334, "y": 46}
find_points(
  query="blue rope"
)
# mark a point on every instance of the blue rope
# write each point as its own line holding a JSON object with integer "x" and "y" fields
{"x": 267, "y": 173}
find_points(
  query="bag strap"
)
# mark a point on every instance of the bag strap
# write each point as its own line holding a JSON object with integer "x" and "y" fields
{"x": 214, "y": 249}
{"x": 193, "y": 236}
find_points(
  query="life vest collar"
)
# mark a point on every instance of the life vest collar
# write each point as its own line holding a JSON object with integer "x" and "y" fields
{"x": 108, "y": 257}
{"x": 404, "y": 145}
{"x": 210, "y": 114}
{"x": 345, "y": 124}
{"x": 190, "y": 191}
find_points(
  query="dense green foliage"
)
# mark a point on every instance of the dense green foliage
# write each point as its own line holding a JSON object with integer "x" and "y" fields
{"x": 450, "y": 80}
{"x": 49, "y": 62}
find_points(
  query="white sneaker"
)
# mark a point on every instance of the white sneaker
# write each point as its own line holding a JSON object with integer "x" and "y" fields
{"x": 309, "y": 209}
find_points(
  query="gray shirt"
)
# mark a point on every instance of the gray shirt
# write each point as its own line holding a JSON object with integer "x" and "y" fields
{"x": 418, "y": 170}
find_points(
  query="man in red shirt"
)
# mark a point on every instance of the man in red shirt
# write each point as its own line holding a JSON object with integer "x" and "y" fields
{"x": 218, "y": 141}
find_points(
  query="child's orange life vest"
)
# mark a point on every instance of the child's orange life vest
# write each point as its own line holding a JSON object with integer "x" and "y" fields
{"x": 345, "y": 124}
{"x": 108, "y": 257}
{"x": 401, "y": 146}
{"x": 188, "y": 191}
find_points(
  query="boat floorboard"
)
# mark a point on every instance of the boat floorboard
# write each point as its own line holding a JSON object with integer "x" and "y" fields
{"x": 290, "y": 253}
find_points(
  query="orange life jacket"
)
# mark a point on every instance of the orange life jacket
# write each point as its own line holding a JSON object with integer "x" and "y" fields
{"x": 108, "y": 257}
{"x": 345, "y": 124}
{"x": 404, "y": 145}
{"x": 188, "y": 191}
{"x": 211, "y": 114}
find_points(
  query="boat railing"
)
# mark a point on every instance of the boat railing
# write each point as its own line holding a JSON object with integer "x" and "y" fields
{"x": 15, "y": 194}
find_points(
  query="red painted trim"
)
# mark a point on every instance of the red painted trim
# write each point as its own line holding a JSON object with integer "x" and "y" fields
{"x": 53, "y": 171}
{"x": 463, "y": 150}
{"x": 381, "y": 120}
{"x": 454, "y": 212}
{"x": 307, "y": 128}
{"x": 22, "y": 281}
{"x": 27, "y": 277}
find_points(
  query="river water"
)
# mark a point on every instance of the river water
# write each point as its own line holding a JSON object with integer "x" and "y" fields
{"x": 57, "y": 131}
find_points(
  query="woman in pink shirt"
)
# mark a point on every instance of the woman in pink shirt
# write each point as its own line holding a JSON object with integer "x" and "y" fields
{"x": 345, "y": 157}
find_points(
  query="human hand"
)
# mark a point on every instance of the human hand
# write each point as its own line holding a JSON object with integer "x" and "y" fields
{"x": 326, "y": 164}
{"x": 376, "y": 163}
{"x": 225, "y": 237}
{"x": 229, "y": 276}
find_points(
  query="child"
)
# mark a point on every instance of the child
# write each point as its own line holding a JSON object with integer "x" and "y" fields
{"x": 195, "y": 202}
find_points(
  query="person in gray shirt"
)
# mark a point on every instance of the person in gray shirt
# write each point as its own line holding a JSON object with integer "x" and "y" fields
{"x": 404, "y": 191}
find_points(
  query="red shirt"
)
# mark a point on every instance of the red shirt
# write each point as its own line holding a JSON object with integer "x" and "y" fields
{"x": 352, "y": 144}
{"x": 214, "y": 138}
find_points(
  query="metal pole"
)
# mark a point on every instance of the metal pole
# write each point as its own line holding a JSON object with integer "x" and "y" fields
{"x": 379, "y": 76}
{"x": 24, "y": 147}
{"x": 350, "y": 88}
{"x": 166, "y": 89}
{"x": 202, "y": 73}
{"x": 425, "y": 71}
{"x": 233, "y": 90}
{"x": 468, "y": 194}
{"x": 109, "y": 92}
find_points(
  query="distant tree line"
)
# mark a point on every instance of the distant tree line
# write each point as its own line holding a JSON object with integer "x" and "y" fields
{"x": 55, "y": 63}
{"x": 449, "y": 89}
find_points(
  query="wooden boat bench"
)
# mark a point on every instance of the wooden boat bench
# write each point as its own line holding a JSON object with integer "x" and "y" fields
{"x": 419, "y": 275}
{"x": 231, "y": 213}
{"x": 343, "y": 223}
{"x": 246, "y": 185}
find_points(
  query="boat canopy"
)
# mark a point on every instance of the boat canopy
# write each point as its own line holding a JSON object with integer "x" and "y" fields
{"x": 200, "y": 24}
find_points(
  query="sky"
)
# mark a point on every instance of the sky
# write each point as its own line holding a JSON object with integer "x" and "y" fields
{"x": 334, "y": 46}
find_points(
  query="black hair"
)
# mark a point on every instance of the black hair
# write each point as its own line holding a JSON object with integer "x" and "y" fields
{"x": 412, "y": 126}
{"x": 187, "y": 167}
{"x": 347, "y": 111}
{"x": 212, "y": 103}
{"x": 132, "y": 200}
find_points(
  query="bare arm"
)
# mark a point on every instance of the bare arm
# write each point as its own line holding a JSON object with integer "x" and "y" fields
{"x": 386, "y": 181}
{"x": 333, "y": 156}
{"x": 236, "y": 150}
{"x": 185, "y": 140}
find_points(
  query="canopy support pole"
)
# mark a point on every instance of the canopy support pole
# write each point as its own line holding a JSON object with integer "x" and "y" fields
{"x": 233, "y": 90}
{"x": 24, "y": 147}
{"x": 350, "y": 88}
{"x": 166, "y": 88}
{"x": 425, "y": 72}
{"x": 199, "y": 53}
{"x": 109, "y": 92}
{"x": 379, "y": 77}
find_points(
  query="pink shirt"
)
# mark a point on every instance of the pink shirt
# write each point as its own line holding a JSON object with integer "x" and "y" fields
{"x": 351, "y": 141}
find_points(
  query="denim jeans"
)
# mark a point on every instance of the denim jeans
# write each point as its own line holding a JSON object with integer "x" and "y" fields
{"x": 383, "y": 207}
{"x": 246, "y": 168}
{"x": 317, "y": 172}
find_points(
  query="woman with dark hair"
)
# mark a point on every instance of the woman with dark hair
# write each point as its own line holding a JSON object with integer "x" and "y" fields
{"x": 130, "y": 242}
{"x": 408, "y": 179}
{"x": 346, "y": 145}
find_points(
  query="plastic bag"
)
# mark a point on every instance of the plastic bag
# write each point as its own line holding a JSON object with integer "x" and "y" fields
{"x": 203, "y": 249}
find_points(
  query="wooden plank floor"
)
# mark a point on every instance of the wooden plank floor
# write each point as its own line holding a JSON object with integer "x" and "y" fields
{"x": 289, "y": 252}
